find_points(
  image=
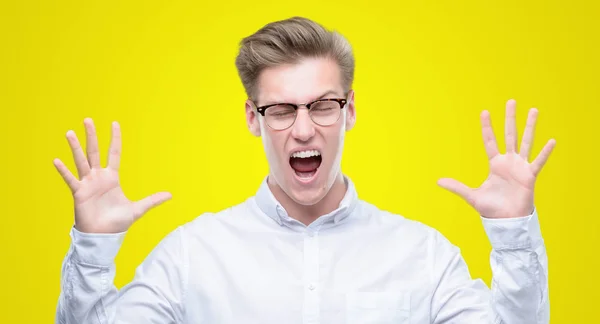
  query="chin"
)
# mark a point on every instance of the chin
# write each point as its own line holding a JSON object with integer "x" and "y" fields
{"x": 308, "y": 197}
{"x": 309, "y": 192}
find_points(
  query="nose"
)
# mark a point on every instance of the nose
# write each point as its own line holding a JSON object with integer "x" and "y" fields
{"x": 303, "y": 128}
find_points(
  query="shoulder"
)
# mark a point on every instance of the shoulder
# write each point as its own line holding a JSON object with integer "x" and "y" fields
{"x": 377, "y": 217}
{"x": 228, "y": 220}
{"x": 398, "y": 226}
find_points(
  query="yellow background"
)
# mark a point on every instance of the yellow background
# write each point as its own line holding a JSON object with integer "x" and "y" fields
{"x": 165, "y": 70}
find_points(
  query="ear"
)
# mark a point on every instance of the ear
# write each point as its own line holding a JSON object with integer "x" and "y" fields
{"x": 350, "y": 111}
{"x": 252, "y": 118}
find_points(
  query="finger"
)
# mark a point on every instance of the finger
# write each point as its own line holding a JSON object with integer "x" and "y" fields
{"x": 489, "y": 139}
{"x": 510, "y": 128}
{"x": 93, "y": 154}
{"x": 527, "y": 141}
{"x": 540, "y": 160}
{"x": 457, "y": 188}
{"x": 114, "y": 152}
{"x": 142, "y": 206}
{"x": 83, "y": 168}
{"x": 69, "y": 178}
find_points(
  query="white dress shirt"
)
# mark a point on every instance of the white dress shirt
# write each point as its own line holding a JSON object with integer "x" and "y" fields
{"x": 252, "y": 263}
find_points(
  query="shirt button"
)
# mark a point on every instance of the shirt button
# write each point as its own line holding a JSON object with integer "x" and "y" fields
{"x": 310, "y": 234}
{"x": 312, "y": 286}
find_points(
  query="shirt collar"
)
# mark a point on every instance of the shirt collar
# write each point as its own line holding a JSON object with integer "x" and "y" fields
{"x": 269, "y": 205}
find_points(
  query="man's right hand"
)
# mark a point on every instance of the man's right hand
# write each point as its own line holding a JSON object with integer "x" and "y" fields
{"x": 100, "y": 204}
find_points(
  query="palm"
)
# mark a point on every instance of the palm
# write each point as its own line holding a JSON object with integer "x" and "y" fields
{"x": 508, "y": 190}
{"x": 100, "y": 204}
{"x": 103, "y": 203}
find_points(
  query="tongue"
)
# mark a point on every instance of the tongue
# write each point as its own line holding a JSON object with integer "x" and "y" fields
{"x": 305, "y": 164}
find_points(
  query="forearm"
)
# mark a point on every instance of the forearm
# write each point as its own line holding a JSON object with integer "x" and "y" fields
{"x": 88, "y": 294}
{"x": 519, "y": 291}
{"x": 520, "y": 271}
{"x": 88, "y": 270}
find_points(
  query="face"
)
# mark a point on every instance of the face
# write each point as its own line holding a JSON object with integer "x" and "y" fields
{"x": 293, "y": 166}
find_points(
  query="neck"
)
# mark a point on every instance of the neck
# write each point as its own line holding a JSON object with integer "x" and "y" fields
{"x": 306, "y": 214}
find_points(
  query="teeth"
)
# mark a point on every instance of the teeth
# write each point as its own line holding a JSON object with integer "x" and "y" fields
{"x": 306, "y": 154}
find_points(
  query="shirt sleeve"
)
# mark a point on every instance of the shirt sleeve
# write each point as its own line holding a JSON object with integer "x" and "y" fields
{"x": 519, "y": 292}
{"x": 520, "y": 270}
{"x": 89, "y": 296}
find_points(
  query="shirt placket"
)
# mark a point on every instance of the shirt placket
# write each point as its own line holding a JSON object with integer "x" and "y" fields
{"x": 311, "y": 276}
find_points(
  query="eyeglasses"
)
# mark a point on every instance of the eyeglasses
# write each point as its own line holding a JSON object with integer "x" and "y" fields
{"x": 323, "y": 112}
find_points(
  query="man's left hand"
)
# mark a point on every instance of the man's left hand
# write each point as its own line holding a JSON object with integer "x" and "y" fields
{"x": 508, "y": 190}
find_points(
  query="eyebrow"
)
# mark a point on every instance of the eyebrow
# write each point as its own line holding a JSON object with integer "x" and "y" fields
{"x": 327, "y": 93}
{"x": 330, "y": 92}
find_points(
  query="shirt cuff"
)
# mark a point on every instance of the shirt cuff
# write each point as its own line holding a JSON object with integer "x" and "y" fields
{"x": 95, "y": 248}
{"x": 513, "y": 233}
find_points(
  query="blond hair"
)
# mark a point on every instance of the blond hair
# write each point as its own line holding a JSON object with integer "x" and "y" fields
{"x": 288, "y": 42}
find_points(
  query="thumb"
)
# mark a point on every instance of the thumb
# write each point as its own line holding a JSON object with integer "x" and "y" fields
{"x": 144, "y": 205}
{"x": 457, "y": 188}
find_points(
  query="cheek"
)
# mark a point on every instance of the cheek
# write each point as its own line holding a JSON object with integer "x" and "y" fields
{"x": 274, "y": 144}
{"x": 336, "y": 138}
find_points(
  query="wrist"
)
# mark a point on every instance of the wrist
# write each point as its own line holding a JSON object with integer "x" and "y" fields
{"x": 98, "y": 249}
{"x": 513, "y": 233}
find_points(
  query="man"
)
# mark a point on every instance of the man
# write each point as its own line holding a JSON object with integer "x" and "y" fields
{"x": 305, "y": 249}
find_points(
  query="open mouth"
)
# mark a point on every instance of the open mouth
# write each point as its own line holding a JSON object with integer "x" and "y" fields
{"x": 305, "y": 163}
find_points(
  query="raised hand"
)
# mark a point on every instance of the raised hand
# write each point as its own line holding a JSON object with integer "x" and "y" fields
{"x": 508, "y": 190}
{"x": 100, "y": 204}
